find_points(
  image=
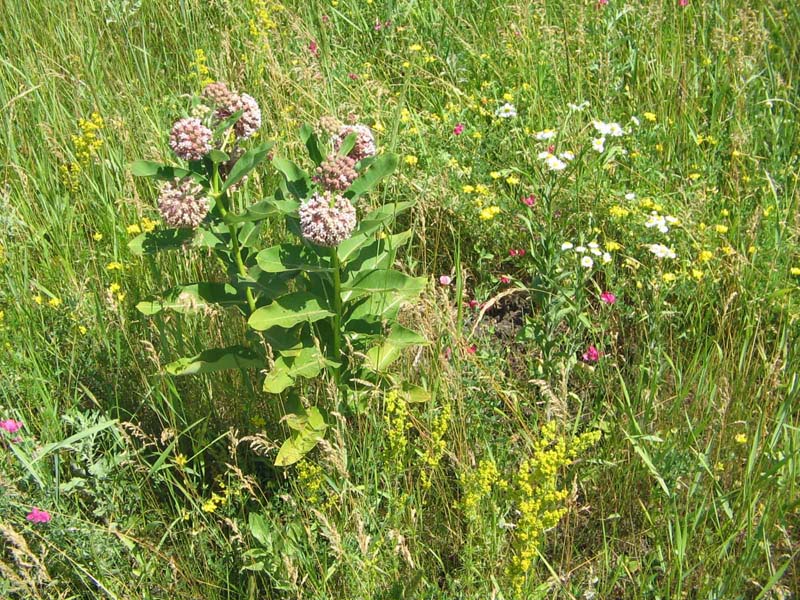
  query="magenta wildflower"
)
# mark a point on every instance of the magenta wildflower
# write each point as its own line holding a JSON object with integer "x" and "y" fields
{"x": 458, "y": 129}
{"x": 445, "y": 280}
{"x": 38, "y": 515}
{"x": 10, "y": 425}
{"x": 313, "y": 48}
{"x": 529, "y": 200}
{"x": 516, "y": 252}
{"x": 591, "y": 355}
{"x": 683, "y": 2}
{"x": 608, "y": 297}
{"x": 505, "y": 279}
{"x": 472, "y": 349}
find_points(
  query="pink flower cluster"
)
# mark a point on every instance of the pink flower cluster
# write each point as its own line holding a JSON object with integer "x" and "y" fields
{"x": 10, "y": 426}
{"x": 38, "y": 515}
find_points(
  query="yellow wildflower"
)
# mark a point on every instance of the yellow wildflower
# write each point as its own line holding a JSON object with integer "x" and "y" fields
{"x": 650, "y": 117}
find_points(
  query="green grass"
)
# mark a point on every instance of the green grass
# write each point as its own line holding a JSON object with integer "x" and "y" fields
{"x": 692, "y": 491}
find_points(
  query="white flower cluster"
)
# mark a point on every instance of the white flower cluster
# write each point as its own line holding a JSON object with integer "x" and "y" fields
{"x": 556, "y": 163}
{"x": 545, "y": 134}
{"x": 612, "y": 129}
{"x": 660, "y": 222}
{"x": 587, "y": 262}
{"x": 662, "y": 251}
{"x": 506, "y": 111}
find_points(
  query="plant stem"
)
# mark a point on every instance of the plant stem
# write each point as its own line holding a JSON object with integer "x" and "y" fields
{"x": 337, "y": 309}
{"x": 235, "y": 247}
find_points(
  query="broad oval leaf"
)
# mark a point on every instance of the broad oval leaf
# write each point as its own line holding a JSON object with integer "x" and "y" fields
{"x": 380, "y": 357}
{"x": 192, "y": 298}
{"x": 303, "y": 440}
{"x": 172, "y": 239}
{"x": 312, "y": 143}
{"x": 382, "y": 281}
{"x": 154, "y": 170}
{"x": 289, "y": 310}
{"x": 383, "y": 166}
{"x": 297, "y": 181}
{"x": 290, "y": 257}
{"x": 217, "y": 359}
{"x": 246, "y": 163}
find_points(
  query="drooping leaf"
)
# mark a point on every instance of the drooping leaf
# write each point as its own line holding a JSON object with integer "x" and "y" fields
{"x": 289, "y": 310}
{"x": 380, "y": 357}
{"x": 383, "y": 166}
{"x": 217, "y": 359}
{"x": 154, "y": 170}
{"x": 371, "y": 223}
{"x": 311, "y": 141}
{"x": 379, "y": 254}
{"x": 193, "y": 297}
{"x": 307, "y": 363}
{"x": 218, "y": 156}
{"x": 297, "y": 181}
{"x": 348, "y": 143}
{"x": 290, "y": 257}
{"x": 311, "y": 430}
{"x": 381, "y": 281}
{"x": 172, "y": 239}
{"x": 246, "y": 163}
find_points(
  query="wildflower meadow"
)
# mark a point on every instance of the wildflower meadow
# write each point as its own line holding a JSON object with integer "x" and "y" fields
{"x": 404, "y": 299}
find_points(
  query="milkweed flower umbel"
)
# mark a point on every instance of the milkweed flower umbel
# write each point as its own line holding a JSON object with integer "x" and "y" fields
{"x": 250, "y": 121}
{"x": 183, "y": 204}
{"x": 190, "y": 139}
{"x": 38, "y": 515}
{"x": 327, "y": 219}
{"x": 336, "y": 173}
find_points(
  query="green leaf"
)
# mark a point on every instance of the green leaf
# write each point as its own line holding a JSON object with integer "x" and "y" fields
{"x": 218, "y": 156}
{"x": 379, "y": 254}
{"x": 250, "y": 235}
{"x": 227, "y": 123}
{"x": 154, "y": 170}
{"x": 193, "y": 298}
{"x": 260, "y": 529}
{"x": 382, "y": 281}
{"x": 290, "y": 257}
{"x": 163, "y": 239}
{"x": 381, "y": 357}
{"x": 374, "y": 307}
{"x": 218, "y": 359}
{"x": 307, "y": 363}
{"x": 415, "y": 393}
{"x": 311, "y": 141}
{"x": 382, "y": 166}
{"x": 264, "y": 209}
{"x": 246, "y": 163}
{"x": 348, "y": 143}
{"x": 289, "y": 310}
{"x": 365, "y": 232}
{"x": 297, "y": 181}
{"x": 311, "y": 430}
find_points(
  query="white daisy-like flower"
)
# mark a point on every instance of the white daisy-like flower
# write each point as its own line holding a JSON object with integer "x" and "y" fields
{"x": 567, "y": 155}
{"x": 657, "y": 221}
{"x": 601, "y": 127}
{"x": 567, "y": 246}
{"x": 555, "y": 164}
{"x": 635, "y": 120}
{"x": 587, "y": 262}
{"x": 606, "y": 258}
{"x": 578, "y": 107}
{"x": 662, "y": 251}
{"x": 593, "y": 245}
{"x": 506, "y": 111}
{"x": 671, "y": 220}
{"x": 545, "y": 134}
{"x": 544, "y": 155}
{"x": 599, "y": 144}
{"x": 580, "y": 249}
{"x": 630, "y": 196}
{"x": 614, "y": 130}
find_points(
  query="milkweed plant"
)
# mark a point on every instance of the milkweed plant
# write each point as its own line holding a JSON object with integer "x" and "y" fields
{"x": 326, "y": 302}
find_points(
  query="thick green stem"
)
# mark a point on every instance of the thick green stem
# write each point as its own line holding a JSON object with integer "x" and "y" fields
{"x": 235, "y": 247}
{"x": 337, "y": 309}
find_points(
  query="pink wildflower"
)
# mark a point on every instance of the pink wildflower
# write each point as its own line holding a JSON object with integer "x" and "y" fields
{"x": 591, "y": 355}
{"x": 608, "y": 297}
{"x": 313, "y": 48}
{"x": 472, "y": 349}
{"x": 551, "y": 149}
{"x": 505, "y": 279}
{"x": 445, "y": 280}
{"x": 352, "y": 76}
{"x": 529, "y": 200}
{"x": 38, "y": 516}
{"x": 473, "y": 304}
{"x": 10, "y": 425}
{"x": 516, "y": 252}
{"x": 683, "y": 2}
{"x": 458, "y": 129}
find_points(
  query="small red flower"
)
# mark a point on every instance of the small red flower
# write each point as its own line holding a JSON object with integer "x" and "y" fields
{"x": 608, "y": 297}
{"x": 313, "y": 48}
{"x": 505, "y": 279}
{"x": 472, "y": 349}
{"x": 458, "y": 129}
{"x": 592, "y": 355}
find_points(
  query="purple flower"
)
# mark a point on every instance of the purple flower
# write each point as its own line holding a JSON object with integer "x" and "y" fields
{"x": 10, "y": 425}
{"x": 38, "y": 515}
